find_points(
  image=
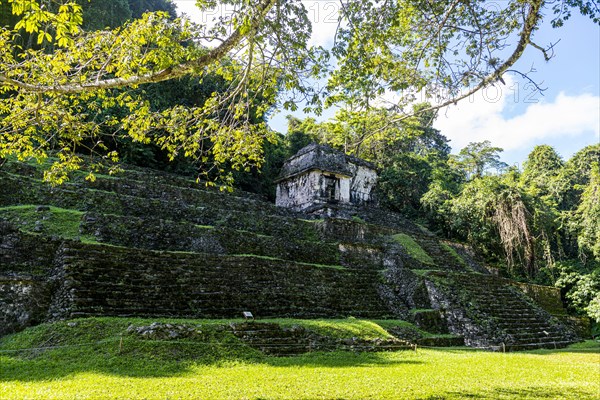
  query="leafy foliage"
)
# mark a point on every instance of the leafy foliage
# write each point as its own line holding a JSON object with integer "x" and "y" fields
{"x": 57, "y": 83}
{"x": 101, "y": 14}
{"x": 581, "y": 286}
{"x": 540, "y": 225}
{"x": 404, "y": 182}
{"x": 60, "y": 103}
{"x": 477, "y": 158}
{"x": 588, "y": 215}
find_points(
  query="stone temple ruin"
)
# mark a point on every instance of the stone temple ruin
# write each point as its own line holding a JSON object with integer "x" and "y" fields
{"x": 151, "y": 244}
{"x": 318, "y": 176}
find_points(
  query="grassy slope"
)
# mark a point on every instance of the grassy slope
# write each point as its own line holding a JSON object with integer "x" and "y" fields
{"x": 413, "y": 248}
{"x": 52, "y": 222}
{"x": 219, "y": 367}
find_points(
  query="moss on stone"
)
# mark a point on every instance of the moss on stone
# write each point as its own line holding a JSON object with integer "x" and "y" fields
{"x": 338, "y": 267}
{"x": 413, "y": 249}
{"x": 423, "y": 272}
{"x": 339, "y": 328}
{"x": 454, "y": 254}
{"x": 50, "y": 221}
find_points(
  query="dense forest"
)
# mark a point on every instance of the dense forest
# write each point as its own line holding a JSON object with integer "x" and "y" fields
{"x": 540, "y": 223}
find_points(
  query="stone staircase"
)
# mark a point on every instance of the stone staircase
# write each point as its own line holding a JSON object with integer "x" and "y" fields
{"x": 443, "y": 256}
{"x": 491, "y": 312}
{"x": 273, "y": 339}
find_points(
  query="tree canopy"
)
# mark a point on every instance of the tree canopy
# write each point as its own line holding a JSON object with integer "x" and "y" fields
{"x": 478, "y": 157}
{"x": 447, "y": 49}
{"x": 541, "y": 224}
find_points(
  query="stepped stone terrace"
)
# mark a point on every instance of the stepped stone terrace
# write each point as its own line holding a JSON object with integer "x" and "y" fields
{"x": 151, "y": 244}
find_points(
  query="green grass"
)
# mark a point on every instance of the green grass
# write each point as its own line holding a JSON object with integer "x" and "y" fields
{"x": 423, "y": 272}
{"x": 53, "y": 222}
{"x": 358, "y": 219}
{"x": 204, "y": 226}
{"x": 454, "y": 254}
{"x": 423, "y": 229}
{"x": 413, "y": 248}
{"x": 217, "y": 367}
{"x": 341, "y": 328}
{"x": 87, "y": 330}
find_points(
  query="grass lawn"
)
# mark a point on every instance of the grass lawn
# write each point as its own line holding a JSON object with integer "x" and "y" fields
{"x": 222, "y": 370}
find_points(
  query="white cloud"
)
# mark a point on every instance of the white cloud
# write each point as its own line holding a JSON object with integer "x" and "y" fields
{"x": 487, "y": 116}
{"x": 189, "y": 8}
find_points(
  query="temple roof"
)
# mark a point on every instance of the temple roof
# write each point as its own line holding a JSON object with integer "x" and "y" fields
{"x": 320, "y": 157}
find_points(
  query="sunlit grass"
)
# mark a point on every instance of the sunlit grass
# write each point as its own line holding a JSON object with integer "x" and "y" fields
{"x": 51, "y": 221}
{"x": 219, "y": 368}
{"x": 424, "y": 374}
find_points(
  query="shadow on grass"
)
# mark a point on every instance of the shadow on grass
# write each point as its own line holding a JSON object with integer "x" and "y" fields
{"x": 519, "y": 393}
{"x": 340, "y": 359}
{"x": 585, "y": 347}
{"x": 169, "y": 361}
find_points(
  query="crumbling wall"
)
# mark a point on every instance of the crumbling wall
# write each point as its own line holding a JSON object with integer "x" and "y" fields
{"x": 105, "y": 280}
{"x": 24, "y": 301}
{"x": 158, "y": 234}
{"x": 25, "y": 291}
{"x": 362, "y": 184}
{"x": 306, "y": 178}
{"x": 307, "y": 189}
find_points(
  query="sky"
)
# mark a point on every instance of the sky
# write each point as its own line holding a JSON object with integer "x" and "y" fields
{"x": 512, "y": 116}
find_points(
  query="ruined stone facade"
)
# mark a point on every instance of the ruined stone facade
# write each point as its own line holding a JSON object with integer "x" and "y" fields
{"x": 154, "y": 245}
{"x": 319, "y": 175}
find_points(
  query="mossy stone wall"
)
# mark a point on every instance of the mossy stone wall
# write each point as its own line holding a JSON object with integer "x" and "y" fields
{"x": 105, "y": 280}
{"x": 25, "y": 288}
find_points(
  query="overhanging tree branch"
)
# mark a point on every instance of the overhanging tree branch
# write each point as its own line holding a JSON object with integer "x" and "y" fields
{"x": 532, "y": 20}
{"x": 175, "y": 71}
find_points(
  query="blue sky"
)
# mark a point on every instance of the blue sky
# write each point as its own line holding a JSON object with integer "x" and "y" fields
{"x": 566, "y": 116}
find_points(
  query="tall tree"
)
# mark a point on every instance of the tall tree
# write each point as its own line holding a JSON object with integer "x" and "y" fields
{"x": 139, "y": 7}
{"x": 588, "y": 215}
{"x": 102, "y": 14}
{"x": 576, "y": 175}
{"x": 478, "y": 157}
{"x": 541, "y": 171}
{"x": 301, "y": 133}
